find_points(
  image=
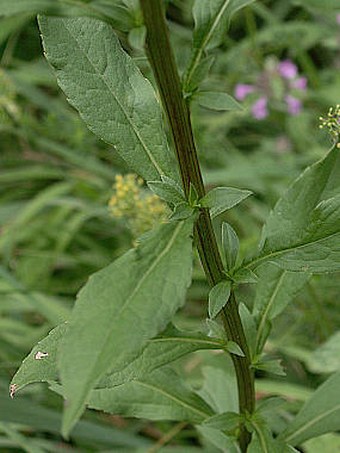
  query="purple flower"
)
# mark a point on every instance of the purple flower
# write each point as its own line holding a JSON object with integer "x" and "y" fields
{"x": 300, "y": 83}
{"x": 287, "y": 69}
{"x": 242, "y": 90}
{"x": 259, "y": 109}
{"x": 293, "y": 104}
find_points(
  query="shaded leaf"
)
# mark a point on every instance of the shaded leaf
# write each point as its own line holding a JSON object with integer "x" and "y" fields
{"x": 221, "y": 199}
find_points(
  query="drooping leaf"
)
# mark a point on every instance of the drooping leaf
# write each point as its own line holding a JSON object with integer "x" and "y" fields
{"x": 221, "y": 199}
{"x": 302, "y": 232}
{"x": 216, "y": 101}
{"x": 161, "y": 395}
{"x": 159, "y": 351}
{"x": 276, "y": 287}
{"x": 211, "y": 18}
{"x": 218, "y": 297}
{"x": 120, "y": 308}
{"x": 102, "y": 82}
{"x": 319, "y": 415}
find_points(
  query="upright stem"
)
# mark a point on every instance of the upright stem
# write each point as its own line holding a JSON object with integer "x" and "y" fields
{"x": 165, "y": 70}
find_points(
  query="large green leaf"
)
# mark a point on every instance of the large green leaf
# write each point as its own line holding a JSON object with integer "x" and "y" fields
{"x": 211, "y": 18}
{"x": 120, "y": 308}
{"x": 276, "y": 287}
{"x": 114, "y": 99}
{"x": 161, "y": 395}
{"x": 319, "y": 415}
{"x": 302, "y": 232}
{"x": 159, "y": 351}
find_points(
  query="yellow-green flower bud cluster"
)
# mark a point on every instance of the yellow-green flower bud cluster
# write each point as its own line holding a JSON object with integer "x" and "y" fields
{"x": 332, "y": 123}
{"x": 9, "y": 109}
{"x": 140, "y": 209}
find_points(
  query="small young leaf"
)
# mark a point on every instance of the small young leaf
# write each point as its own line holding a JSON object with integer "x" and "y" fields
{"x": 319, "y": 415}
{"x": 228, "y": 421}
{"x": 136, "y": 37}
{"x": 234, "y": 348}
{"x": 216, "y": 101}
{"x": 93, "y": 70}
{"x": 221, "y": 199}
{"x": 216, "y": 330}
{"x": 245, "y": 276}
{"x": 182, "y": 211}
{"x": 270, "y": 366}
{"x": 230, "y": 245}
{"x": 201, "y": 71}
{"x": 249, "y": 326}
{"x": 218, "y": 297}
{"x": 167, "y": 191}
{"x": 263, "y": 441}
{"x": 101, "y": 333}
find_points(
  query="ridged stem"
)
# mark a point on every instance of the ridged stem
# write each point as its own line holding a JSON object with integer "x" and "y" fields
{"x": 164, "y": 67}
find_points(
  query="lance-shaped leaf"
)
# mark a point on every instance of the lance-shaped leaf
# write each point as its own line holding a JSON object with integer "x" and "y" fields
{"x": 221, "y": 199}
{"x": 276, "y": 287}
{"x": 41, "y": 363}
{"x": 114, "y": 99}
{"x": 319, "y": 415}
{"x": 120, "y": 308}
{"x": 161, "y": 395}
{"x": 158, "y": 352}
{"x": 302, "y": 232}
{"x": 218, "y": 297}
{"x": 211, "y": 18}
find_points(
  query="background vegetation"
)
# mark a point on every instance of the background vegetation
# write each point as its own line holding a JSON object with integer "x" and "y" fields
{"x": 56, "y": 226}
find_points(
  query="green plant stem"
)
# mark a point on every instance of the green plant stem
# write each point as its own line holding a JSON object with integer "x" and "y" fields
{"x": 165, "y": 70}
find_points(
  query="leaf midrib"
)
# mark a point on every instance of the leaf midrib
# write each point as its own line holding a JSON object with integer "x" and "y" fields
{"x": 255, "y": 262}
{"x": 199, "y": 50}
{"x": 173, "y": 398}
{"x": 312, "y": 422}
